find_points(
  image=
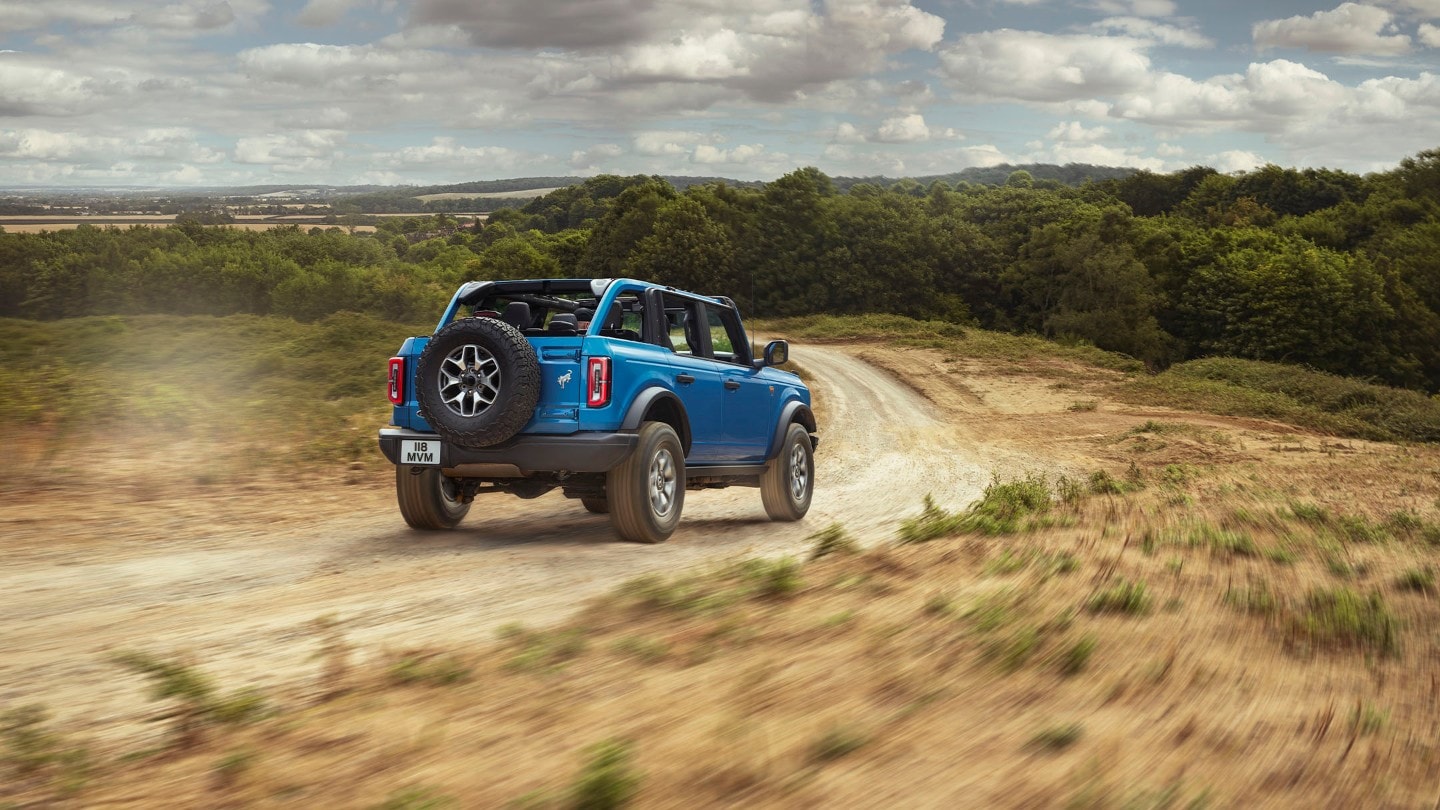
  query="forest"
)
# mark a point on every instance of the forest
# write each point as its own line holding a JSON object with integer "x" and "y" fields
{"x": 1316, "y": 267}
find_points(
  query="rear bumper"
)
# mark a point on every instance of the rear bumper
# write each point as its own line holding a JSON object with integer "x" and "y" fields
{"x": 588, "y": 452}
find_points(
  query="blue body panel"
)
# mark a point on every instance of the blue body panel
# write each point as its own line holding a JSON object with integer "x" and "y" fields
{"x": 729, "y": 425}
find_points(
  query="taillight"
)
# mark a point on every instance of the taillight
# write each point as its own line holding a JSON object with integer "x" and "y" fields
{"x": 597, "y": 376}
{"x": 397, "y": 380}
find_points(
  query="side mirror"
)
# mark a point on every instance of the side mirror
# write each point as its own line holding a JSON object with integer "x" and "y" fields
{"x": 777, "y": 353}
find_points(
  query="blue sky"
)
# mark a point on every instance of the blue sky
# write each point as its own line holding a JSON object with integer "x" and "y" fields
{"x": 222, "y": 92}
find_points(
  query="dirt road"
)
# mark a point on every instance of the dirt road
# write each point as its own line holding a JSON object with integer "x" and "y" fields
{"x": 235, "y": 582}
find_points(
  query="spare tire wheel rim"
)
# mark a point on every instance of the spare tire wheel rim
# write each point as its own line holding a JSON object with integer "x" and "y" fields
{"x": 662, "y": 482}
{"x": 469, "y": 380}
{"x": 799, "y": 473}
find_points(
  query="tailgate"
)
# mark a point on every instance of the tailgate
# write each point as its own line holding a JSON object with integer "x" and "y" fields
{"x": 562, "y": 385}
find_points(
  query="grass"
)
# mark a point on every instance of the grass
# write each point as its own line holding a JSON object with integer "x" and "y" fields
{"x": 431, "y": 669}
{"x": 961, "y": 339}
{"x": 1121, "y": 596}
{"x": 199, "y": 704}
{"x": 1057, "y": 738}
{"x": 32, "y": 751}
{"x": 252, "y": 391}
{"x": 832, "y": 539}
{"x": 999, "y": 511}
{"x": 836, "y": 742}
{"x": 1420, "y": 580}
{"x": 1323, "y": 402}
{"x": 608, "y": 779}
{"x": 1340, "y": 618}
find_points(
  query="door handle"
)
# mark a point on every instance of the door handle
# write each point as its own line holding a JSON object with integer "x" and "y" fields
{"x": 731, "y": 385}
{"x": 685, "y": 379}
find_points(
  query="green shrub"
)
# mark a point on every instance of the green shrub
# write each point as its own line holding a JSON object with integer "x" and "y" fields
{"x": 1343, "y": 618}
{"x": 1122, "y": 596}
{"x": 1075, "y": 657}
{"x": 200, "y": 704}
{"x": 608, "y": 780}
{"x": 836, "y": 742}
{"x": 1300, "y": 396}
{"x": 772, "y": 578}
{"x": 832, "y": 539}
{"x": 1417, "y": 579}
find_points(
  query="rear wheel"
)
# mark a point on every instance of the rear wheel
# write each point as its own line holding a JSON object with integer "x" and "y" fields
{"x": 597, "y": 506}
{"x": 428, "y": 500}
{"x": 789, "y": 482}
{"x": 646, "y": 491}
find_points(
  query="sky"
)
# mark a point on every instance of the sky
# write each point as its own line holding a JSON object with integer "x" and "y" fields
{"x": 239, "y": 92}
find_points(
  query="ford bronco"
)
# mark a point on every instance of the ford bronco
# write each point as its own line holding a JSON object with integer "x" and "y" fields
{"x": 622, "y": 394}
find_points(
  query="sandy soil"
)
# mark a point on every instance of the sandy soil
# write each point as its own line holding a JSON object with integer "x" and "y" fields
{"x": 235, "y": 580}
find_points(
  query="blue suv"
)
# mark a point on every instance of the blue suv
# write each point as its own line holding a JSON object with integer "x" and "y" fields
{"x": 621, "y": 393}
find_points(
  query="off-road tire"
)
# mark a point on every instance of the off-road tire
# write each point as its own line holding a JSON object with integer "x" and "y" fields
{"x": 515, "y": 394}
{"x": 596, "y": 506}
{"x": 646, "y": 491}
{"x": 427, "y": 498}
{"x": 788, "y": 484}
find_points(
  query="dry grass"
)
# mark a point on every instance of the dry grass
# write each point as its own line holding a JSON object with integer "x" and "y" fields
{"x": 1164, "y": 662}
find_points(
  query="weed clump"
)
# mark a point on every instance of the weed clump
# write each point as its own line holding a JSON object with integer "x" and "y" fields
{"x": 200, "y": 704}
{"x": 836, "y": 742}
{"x": 999, "y": 511}
{"x": 415, "y": 668}
{"x": 772, "y": 578}
{"x": 1075, "y": 657}
{"x": 31, "y": 751}
{"x": 832, "y": 539}
{"x": 1421, "y": 580}
{"x": 608, "y": 780}
{"x": 1122, "y": 596}
{"x": 1343, "y": 618}
{"x": 1057, "y": 738}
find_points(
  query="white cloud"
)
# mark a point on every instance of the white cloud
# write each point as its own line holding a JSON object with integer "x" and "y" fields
{"x": 1074, "y": 132}
{"x": 899, "y": 129}
{"x": 1031, "y": 66}
{"x": 705, "y": 153}
{"x": 769, "y": 50}
{"x": 1351, "y": 28}
{"x": 1160, "y": 33}
{"x": 182, "y": 16}
{"x": 163, "y": 145}
{"x": 321, "y": 13}
{"x": 1429, "y": 35}
{"x": 903, "y": 129}
{"x": 669, "y": 142}
{"x": 596, "y": 158}
{"x": 1138, "y": 8}
{"x": 312, "y": 150}
{"x": 1235, "y": 160}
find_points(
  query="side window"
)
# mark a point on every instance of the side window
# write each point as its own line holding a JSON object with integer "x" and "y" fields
{"x": 727, "y": 339}
{"x": 682, "y": 326}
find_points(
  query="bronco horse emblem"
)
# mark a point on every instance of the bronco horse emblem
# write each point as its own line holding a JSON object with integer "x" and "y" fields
{"x": 563, "y": 379}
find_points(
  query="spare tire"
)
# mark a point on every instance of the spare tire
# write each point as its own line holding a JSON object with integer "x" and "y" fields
{"x": 477, "y": 382}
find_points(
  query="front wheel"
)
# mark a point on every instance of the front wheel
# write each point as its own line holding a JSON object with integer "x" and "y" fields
{"x": 428, "y": 500}
{"x": 789, "y": 482}
{"x": 646, "y": 491}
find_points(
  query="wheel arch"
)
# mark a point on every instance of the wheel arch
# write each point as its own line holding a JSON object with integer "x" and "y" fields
{"x": 794, "y": 411}
{"x": 656, "y": 404}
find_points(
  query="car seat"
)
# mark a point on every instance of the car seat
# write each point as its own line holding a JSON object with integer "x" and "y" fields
{"x": 517, "y": 314}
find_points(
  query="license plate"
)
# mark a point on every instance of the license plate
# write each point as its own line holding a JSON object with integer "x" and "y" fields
{"x": 420, "y": 452}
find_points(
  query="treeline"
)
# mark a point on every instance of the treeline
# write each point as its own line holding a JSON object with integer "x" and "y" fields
{"x": 1328, "y": 269}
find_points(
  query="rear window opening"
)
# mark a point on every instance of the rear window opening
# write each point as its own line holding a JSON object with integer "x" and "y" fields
{"x": 561, "y": 315}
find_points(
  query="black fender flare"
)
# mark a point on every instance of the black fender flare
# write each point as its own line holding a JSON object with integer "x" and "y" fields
{"x": 794, "y": 411}
{"x": 656, "y": 397}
